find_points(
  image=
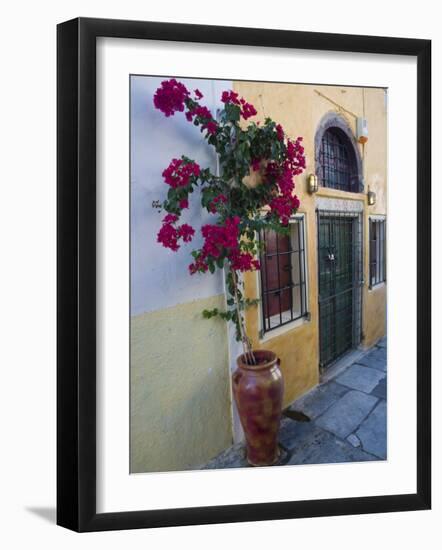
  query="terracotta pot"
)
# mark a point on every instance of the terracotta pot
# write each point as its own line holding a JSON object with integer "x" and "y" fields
{"x": 258, "y": 391}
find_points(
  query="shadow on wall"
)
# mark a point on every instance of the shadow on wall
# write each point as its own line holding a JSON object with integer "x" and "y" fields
{"x": 47, "y": 513}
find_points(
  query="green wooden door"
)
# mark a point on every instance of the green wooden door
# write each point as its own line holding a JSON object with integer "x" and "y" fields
{"x": 337, "y": 284}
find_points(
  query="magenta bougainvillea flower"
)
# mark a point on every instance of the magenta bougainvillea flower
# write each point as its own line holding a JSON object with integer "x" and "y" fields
{"x": 283, "y": 206}
{"x": 178, "y": 173}
{"x": 170, "y": 234}
{"x": 218, "y": 240}
{"x": 241, "y": 211}
{"x": 219, "y": 199}
{"x": 211, "y": 127}
{"x": 256, "y": 164}
{"x": 295, "y": 156}
{"x": 229, "y": 96}
{"x": 280, "y": 132}
{"x": 243, "y": 261}
{"x": 247, "y": 109}
{"x": 186, "y": 232}
{"x": 170, "y": 218}
{"x": 170, "y": 97}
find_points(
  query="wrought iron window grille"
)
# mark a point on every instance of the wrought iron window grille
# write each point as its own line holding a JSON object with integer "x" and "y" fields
{"x": 283, "y": 277}
{"x": 337, "y": 162}
{"x": 377, "y": 252}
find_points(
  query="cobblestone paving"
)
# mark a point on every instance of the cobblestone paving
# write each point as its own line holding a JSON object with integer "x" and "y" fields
{"x": 348, "y": 419}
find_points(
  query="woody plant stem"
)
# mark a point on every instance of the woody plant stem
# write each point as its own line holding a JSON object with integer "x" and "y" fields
{"x": 250, "y": 357}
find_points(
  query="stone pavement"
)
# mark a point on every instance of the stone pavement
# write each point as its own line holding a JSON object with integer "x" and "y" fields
{"x": 341, "y": 420}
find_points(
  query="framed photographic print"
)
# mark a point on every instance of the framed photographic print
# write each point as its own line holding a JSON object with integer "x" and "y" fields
{"x": 243, "y": 261}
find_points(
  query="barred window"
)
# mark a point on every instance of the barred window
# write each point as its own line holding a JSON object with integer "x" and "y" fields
{"x": 283, "y": 276}
{"x": 338, "y": 166}
{"x": 377, "y": 252}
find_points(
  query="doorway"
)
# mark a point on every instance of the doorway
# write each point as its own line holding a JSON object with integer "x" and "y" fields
{"x": 340, "y": 283}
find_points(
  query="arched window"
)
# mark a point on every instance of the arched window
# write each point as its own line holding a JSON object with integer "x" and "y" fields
{"x": 338, "y": 164}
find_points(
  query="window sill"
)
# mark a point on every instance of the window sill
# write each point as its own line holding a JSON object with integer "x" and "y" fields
{"x": 330, "y": 192}
{"x": 279, "y": 331}
{"x": 377, "y": 286}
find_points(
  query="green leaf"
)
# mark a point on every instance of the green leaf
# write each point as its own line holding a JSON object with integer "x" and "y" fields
{"x": 233, "y": 112}
{"x": 249, "y": 302}
{"x": 226, "y": 315}
{"x": 209, "y": 313}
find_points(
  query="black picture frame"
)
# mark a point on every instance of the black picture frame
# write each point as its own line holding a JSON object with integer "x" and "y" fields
{"x": 76, "y": 273}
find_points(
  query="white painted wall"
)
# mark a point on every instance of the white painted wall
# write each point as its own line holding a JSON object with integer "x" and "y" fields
{"x": 159, "y": 276}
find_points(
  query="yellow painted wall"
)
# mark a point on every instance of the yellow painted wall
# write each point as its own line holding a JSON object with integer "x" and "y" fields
{"x": 299, "y": 108}
{"x": 374, "y": 300}
{"x": 180, "y": 388}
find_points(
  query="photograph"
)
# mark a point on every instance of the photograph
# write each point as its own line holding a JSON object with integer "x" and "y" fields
{"x": 218, "y": 255}
{"x": 258, "y": 274}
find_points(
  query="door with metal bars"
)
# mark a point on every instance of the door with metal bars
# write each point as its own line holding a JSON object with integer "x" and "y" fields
{"x": 340, "y": 283}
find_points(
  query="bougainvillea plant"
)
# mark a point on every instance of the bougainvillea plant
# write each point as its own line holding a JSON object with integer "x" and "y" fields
{"x": 253, "y": 193}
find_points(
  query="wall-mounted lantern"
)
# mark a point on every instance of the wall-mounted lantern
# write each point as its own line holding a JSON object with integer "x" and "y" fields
{"x": 362, "y": 130}
{"x": 312, "y": 182}
{"x": 371, "y": 198}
